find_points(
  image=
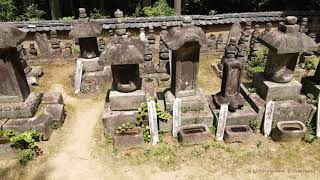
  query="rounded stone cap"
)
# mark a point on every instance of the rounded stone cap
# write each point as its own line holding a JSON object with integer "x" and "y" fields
{"x": 291, "y": 20}
{"x": 118, "y": 14}
{"x": 257, "y": 26}
{"x": 304, "y": 19}
{"x": 82, "y": 10}
{"x": 187, "y": 20}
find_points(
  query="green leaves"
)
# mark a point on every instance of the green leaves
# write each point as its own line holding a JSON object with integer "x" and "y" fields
{"x": 160, "y": 8}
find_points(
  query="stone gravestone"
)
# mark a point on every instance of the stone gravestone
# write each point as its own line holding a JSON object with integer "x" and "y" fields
{"x": 222, "y": 122}
{"x": 267, "y": 126}
{"x": 318, "y": 119}
{"x": 235, "y": 32}
{"x": 176, "y": 117}
{"x": 153, "y": 122}
{"x": 78, "y": 76}
{"x": 43, "y": 44}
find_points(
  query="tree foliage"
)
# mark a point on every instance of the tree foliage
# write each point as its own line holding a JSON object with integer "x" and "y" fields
{"x": 160, "y": 8}
{"x": 8, "y": 10}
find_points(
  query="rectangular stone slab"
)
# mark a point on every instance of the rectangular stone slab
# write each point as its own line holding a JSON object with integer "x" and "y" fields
{"x": 52, "y": 98}
{"x": 40, "y": 123}
{"x": 130, "y": 141}
{"x": 268, "y": 90}
{"x": 91, "y": 65}
{"x": 126, "y": 101}
{"x": 204, "y": 116}
{"x": 56, "y": 112}
{"x": 22, "y": 109}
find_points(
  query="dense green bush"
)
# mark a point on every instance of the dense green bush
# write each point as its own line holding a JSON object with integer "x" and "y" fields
{"x": 8, "y": 10}
{"x": 33, "y": 13}
{"x": 160, "y": 8}
{"x": 97, "y": 14}
{"x": 256, "y": 64}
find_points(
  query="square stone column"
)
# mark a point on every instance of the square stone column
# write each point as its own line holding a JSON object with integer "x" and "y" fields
{"x": 13, "y": 82}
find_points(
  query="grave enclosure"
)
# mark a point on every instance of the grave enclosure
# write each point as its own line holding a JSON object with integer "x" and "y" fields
{"x": 161, "y": 65}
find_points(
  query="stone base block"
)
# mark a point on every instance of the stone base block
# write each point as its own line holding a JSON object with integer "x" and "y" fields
{"x": 268, "y": 90}
{"x": 126, "y": 101}
{"x": 240, "y": 117}
{"x": 189, "y": 103}
{"x": 56, "y": 112}
{"x": 204, "y": 116}
{"x": 91, "y": 65}
{"x": 310, "y": 87}
{"x": 52, "y": 98}
{"x": 113, "y": 119}
{"x": 133, "y": 138}
{"x": 21, "y": 110}
{"x": 285, "y": 110}
{"x": 237, "y": 133}
{"x": 92, "y": 82}
{"x": 40, "y": 123}
{"x": 7, "y": 152}
{"x": 194, "y": 134}
{"x": 287, "y": 131}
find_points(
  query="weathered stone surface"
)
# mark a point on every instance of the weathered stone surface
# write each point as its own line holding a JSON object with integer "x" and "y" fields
{"x": 2, "y": 122}
{"x": 286, "y": 131}
{"x": 36, "y": 71}
{"x": 133, "y": 138}
{"x": 235, "y": 32}
{"x": 203, "y": 116}
{"x": 194, "y": 134}
{"x": 91, "y": 65}
{"x": 13, "y": 83}
{"x": 113, "y": 119}
{"x": 7, "y": 152}
{"x": 268, "y": 90}
{"x": 56, "y": 112}
{"x": 85, "y": 29}
{"x": 10, "y": 36}
{"x": 188, "y": 103}
{"x": 237, "y": 133}
{"x": 52, "y": 98}
{"x": 43, "y": 44}
{"x": 240, "y": 117}
{"x": 22, "y": 109}
{"x": 40, "y": 123}
{"x": 285, "y": 110}
{"x": 126, "y": 101}
{"x": 92, "y": 82}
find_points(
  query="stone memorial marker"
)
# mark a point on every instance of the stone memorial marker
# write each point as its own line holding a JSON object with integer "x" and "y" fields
{"x": 268, "y": 118}
{"x": 43, "y": 44}
{"x": 153, "y": 122}
{"x": 222, "y": 121}
{"x": 78, "y": 77}
{"x": 318, "y": 119}
{"x": 235, "y": 32}
{"x": 176, "y": 117}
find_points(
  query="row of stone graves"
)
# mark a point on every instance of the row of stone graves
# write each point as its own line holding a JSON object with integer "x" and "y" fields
{"x": 20, "y": 109}
{"x": 278, "y": 106}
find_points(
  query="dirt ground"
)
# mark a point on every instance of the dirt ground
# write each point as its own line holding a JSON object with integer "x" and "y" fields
{"x": 79, "y": 150}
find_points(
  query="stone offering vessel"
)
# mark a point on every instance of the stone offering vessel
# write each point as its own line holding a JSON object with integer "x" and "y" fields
{"x": 284, "y": 45}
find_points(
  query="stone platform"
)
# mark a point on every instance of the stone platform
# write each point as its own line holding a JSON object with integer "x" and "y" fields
{"x": 113, "y": 119}
{"x": 285, "y": 110}
{"x": 268, "y": 90}
{"x": 194, "y": 109}
{"x": 126, "y": 101}
{"x": 41, "y": 110}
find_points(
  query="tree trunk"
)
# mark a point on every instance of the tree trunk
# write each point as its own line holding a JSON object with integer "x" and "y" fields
{"x": 55, "y": 9}
{"x": 177, "y": 7}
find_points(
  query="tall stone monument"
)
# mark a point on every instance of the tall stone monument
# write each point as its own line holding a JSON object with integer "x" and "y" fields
{"x": 276, "y": 83}
{"x": 86, "y": 31}
{"x": 124, "y": 54}
{"x": 18, "y": 106}
{"x": 185, "y": 43}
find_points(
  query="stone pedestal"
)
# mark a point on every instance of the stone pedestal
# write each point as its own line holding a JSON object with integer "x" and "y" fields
{"x": 269, "y": 90}
{"x": 195, "y": 109}
{"x": 126, "y": 101}
{"x": 285, "y": 110}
